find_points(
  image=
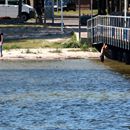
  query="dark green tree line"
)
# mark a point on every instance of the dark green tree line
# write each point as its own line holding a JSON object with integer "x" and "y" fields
{"x": 110, "y": 6}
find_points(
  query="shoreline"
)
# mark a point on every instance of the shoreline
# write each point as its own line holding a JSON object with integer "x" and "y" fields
{"x": 48, "y": 54}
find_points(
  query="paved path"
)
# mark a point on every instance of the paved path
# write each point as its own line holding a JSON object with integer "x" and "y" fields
{"x": 83, "y": 31}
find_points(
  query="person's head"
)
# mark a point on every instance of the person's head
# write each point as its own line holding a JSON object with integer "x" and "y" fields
{"x": 1, "y": 33}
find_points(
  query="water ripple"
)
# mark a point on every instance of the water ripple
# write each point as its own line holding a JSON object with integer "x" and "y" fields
{"x": 56, "y": 96}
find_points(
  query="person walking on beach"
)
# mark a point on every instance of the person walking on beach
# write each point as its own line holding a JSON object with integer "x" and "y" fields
{"x": 103, "y": 49}
{"x": 1, "y": 44}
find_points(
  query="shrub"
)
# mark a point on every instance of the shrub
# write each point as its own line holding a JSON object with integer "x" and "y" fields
{"x": 72, "y": 43}
{"x": 84, "y": 47}
{"x": 11, "y": 47}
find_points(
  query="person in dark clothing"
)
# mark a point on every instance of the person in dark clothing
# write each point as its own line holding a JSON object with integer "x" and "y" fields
{"x": 1, "y": 44}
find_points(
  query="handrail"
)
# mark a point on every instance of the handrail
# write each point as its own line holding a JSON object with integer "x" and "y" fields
{"x": 109, "y": 29}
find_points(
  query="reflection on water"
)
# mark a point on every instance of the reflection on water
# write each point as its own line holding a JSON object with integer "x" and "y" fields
{"x": 63, "y": 95}
{"x": 117, "y": 66}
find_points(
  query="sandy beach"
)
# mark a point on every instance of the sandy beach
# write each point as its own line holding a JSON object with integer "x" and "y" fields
{"x": 50, "y": 35}
{"x": 47, "y": 54}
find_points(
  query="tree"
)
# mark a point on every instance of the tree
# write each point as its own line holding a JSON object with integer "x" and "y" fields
{"x": 27, "y": 2}
{"x": 39, "y": 6}
{"x": 19, "y": 8}
{"x": 112, "y": 6}
{"x": 102, "y": 7}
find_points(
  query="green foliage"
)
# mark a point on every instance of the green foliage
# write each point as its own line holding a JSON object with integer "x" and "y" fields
{"x": 87, "y": 47}
{"x": 71, "y": 43}
{"x": 84, "y": 47}
{"x": 94, "y": 49}
{"x": 15, "y": 46}
{"x": 75, "y": 13}
{"x": 6, "y": 47}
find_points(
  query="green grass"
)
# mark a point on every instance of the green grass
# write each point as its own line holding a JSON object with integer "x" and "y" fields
{"x": 41, "y": 43}
{"x": 17, "y": 43}
{"x": 20, "y": 25}
{"x": 71, "y": 43}
{"x": 29, "y": 43}
{"x": 75, "y": 13}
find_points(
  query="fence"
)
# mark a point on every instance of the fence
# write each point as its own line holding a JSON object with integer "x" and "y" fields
{"x": 110, "y": 30}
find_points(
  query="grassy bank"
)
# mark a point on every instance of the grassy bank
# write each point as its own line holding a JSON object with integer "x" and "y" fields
{"x": 39, "y": 36}
{"x": 29, "y": 43}
{"x": 70, "y": 42}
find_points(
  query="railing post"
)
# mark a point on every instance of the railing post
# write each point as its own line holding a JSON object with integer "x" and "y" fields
{"x": 125, "y": 12}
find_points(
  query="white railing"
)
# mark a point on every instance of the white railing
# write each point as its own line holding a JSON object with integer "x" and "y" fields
{"x": 110, "y": 30}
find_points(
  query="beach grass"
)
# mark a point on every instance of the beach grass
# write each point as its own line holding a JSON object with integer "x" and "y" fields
{"x": 41, "y": 43}
{"x": 29, "y": 43}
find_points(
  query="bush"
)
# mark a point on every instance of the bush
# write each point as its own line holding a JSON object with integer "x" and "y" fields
{"x": 72, "y": 43}
{"x": 84, "y": 47}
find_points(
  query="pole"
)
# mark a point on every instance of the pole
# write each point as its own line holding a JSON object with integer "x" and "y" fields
{"x": 20, "y": 8}
{"x": 62, "y": 24}
{"x": 125, "y": 12}
{"x": 79, "y": 3}
{"x": 45, "y": 11}
{"x": 57, "y": 5}
{"x": 91, "y": 21}
{"x": 91, "y": 8}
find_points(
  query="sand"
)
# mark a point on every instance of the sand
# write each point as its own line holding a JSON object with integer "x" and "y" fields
{"x": 47, "y": 54}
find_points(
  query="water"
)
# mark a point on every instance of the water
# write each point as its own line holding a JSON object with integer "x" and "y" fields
{"x": 63, "y": 95}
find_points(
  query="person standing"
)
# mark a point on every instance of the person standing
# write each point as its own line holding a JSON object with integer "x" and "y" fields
{"x": 103, "y": 50}
{"x": 1, "y": 44}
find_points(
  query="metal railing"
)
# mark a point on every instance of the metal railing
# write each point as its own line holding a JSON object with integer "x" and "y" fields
{"x": 110, "y": 30}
